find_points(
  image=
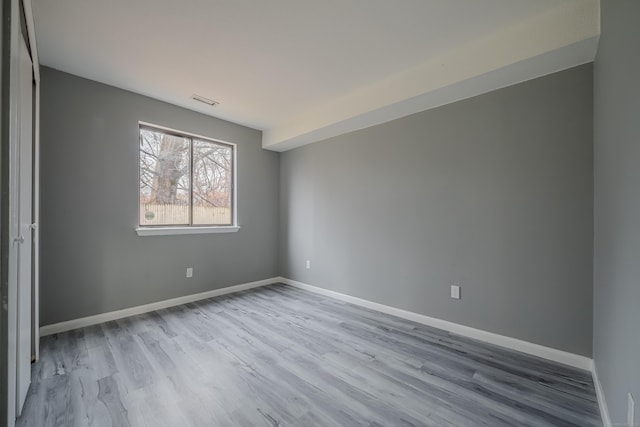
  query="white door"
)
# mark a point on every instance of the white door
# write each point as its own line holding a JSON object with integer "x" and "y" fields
{"x": 25, "y": 218}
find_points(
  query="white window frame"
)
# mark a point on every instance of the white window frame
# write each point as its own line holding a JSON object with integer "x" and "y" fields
{"x": 170, "y": 230}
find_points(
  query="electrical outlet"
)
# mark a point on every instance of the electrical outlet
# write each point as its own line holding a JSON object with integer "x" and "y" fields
{"x": 189, "y": 272}
{"x": 455, "y": 291}
{"x": 308, "y": 264}
{"x": 631, "y": 409}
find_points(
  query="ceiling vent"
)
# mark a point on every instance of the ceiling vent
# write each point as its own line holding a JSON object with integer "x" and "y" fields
{"x": 204, "y": 100}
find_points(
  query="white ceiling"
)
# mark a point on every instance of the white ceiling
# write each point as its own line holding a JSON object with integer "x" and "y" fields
{"x": 302, "y": 70}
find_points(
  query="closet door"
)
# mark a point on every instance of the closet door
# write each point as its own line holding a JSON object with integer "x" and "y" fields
{"x": 25, "y": 219}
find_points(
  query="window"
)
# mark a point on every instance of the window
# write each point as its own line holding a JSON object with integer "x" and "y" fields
{"x": 186, "y": 182}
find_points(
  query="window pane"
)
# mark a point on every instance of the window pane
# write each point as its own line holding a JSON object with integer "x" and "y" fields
{"x": 164, "y": 178}
{"x": 212, "y": 183}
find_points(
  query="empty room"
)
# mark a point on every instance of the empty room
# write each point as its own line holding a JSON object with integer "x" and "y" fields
{"x": 320, "y": 213}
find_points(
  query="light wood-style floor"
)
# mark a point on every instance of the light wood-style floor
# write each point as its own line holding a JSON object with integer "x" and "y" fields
{"x": 281, "y": 356}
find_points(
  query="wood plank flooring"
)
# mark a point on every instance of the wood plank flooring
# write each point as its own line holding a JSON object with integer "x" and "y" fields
{"x": 278, "y": 355}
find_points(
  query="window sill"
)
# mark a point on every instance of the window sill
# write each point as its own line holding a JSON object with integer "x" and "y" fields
{"x": 171, "y": 231}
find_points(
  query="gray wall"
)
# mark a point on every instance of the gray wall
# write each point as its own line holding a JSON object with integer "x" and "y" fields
{"x": 5, "y": 417}
{"x": 92, "y": 259}
{"x": 617, "y": 206}
{"x": 494, "y": 193}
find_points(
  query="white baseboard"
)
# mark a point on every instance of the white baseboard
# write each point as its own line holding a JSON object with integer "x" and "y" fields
{"x": 556, "y": 355}
{"x": 553, "y": 354}
{"x": 602, "y": 401}
{"x": 132, "y": 311}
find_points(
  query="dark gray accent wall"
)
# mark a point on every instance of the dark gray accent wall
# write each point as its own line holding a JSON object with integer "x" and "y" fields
{"x": 494, "y": 193}
{"x": 616, "y": 347}
{"x": 92, "y": 259}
